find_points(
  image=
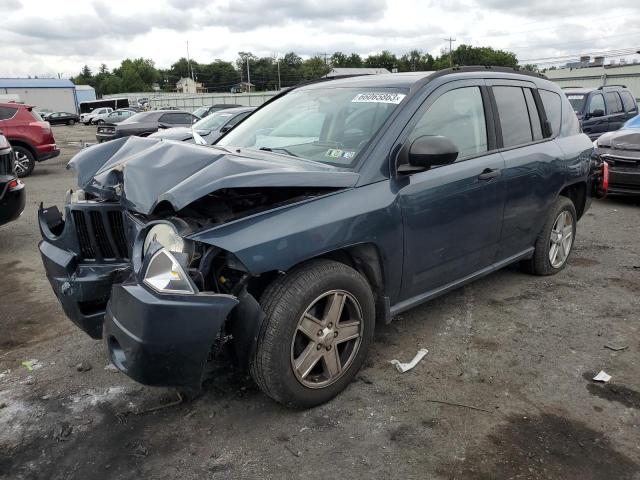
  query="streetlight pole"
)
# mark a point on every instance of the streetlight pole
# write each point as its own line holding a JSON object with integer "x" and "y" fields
{"x": 248, "y": 75}
{"x": 279, "y": 84}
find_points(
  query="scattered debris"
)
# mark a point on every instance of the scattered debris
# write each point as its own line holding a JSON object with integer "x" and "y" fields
{"x": 404, "y": 367}
{"x": 602, "y": 377}
{"x": 139, "y": 450}
{"x": 166, "y": 405}
{"x": 458, "y": 405}
{"x": 3, "y": 405}
{"x": 297, "y": 453}
{"x": 111, "y": 368}
{"x": 31, "y": 365}
{"x": 62, "y": 432}
{"x": 83, "y": 366}
{"x": 616, "y": 348}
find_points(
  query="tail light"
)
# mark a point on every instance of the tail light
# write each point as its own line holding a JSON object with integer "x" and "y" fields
{"x": 14, "y": 184}
{"x": 605, "y": 176}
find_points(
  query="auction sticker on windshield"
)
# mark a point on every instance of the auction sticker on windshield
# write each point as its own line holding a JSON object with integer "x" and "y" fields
{"x": 373, "y": 97}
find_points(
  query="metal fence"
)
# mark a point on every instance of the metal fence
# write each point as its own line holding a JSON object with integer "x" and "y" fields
{"x": 190, "y": 102}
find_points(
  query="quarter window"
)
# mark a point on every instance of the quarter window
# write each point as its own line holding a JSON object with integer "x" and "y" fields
{"x": 458, "y": 115}
{"x": 7, "y": 112}
{"x": 514, "y": 116}
{"x": 534, "y": 115}
{"x": 553, "y": 108}
{"x": 627, "y": 102}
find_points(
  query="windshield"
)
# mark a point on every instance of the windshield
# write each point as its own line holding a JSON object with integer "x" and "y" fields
{"x": 576, "y": 100}
{"x": 200, "y": 112}
{"x": 329, "y": 125}
{"x": 213, "y": 121}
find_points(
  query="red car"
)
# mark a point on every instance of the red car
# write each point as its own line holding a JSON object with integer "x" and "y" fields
{"x": 30, "y": 136}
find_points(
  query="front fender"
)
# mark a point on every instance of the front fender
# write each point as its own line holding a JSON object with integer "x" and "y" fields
{"x": 279, "y": 239}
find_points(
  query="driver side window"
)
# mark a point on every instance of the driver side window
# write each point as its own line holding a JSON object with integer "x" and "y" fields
{"x": 596, "y": 103}
{"x": 458, "y": 115}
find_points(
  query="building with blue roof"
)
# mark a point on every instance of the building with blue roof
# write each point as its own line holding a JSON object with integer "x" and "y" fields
{"x": 45, "y": 94}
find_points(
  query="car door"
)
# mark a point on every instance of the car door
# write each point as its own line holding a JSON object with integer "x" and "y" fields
{"x": 615, "y": 112}
{"x": 595, "y": 121}
{"x": 451, "y": 214}
{"x": 530, "y": 162}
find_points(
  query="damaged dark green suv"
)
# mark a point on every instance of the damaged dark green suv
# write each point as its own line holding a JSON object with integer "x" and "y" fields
{"x": 335, "y": 205}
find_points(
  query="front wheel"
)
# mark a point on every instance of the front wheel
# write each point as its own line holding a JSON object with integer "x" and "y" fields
{"x": 99, "y": 122}
{"x": 319, "y": 324}
{"x": 71, "y": 122}
{"x": 24, "y": 161}
{"x": 555, "y": 241}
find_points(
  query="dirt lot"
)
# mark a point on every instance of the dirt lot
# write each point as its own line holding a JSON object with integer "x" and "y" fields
{"x": 518, "y": 349}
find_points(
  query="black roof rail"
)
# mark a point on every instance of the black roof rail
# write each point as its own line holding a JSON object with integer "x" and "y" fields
{"x": 602, "y": 87}
{"x": 573, "y": 86}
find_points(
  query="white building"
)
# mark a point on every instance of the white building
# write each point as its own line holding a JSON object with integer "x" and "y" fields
{"x": 189, "y": 85}
{"x": 49, "y": 94}
{"x": 597, "y": 74}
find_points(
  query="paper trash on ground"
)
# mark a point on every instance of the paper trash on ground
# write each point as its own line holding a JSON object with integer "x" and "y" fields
{"x": 404, "y": 367}
{"x": 602, "y": 377}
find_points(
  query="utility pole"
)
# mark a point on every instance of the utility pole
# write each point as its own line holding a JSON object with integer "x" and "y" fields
{"x": 325, "y": 55}
{"x": 450, "y": 40}
{"x": 248, "y": 75}
{"x": 279, "y": 84}
{"x": 189, "y": 62}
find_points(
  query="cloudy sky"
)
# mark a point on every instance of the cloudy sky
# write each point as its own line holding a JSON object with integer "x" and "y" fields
{"x": 47, "y": 37}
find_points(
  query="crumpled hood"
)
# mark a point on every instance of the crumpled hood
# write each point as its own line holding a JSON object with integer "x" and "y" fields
{"x": 624, "y": 139}
{"x": 177, "y": 133}
{"x": 146, "y": 171}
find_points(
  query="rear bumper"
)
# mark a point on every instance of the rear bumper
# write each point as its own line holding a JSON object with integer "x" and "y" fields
{"x": 12, "y": 202}
{"x": 163, "y": 340}
{"x": 45, "y": 152}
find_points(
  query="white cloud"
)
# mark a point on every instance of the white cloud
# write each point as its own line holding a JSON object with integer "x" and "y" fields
{"x": 49, "y": 37}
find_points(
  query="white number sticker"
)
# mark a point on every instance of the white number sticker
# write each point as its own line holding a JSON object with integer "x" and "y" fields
{"x": 373, "y": 97}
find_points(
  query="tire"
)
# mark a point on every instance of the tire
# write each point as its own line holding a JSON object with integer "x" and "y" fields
{"x": 312, "y": 287}
{"x": 25, "y": 161}
{"x": 541, "y": 263}
{"x": 71, "y": 122}
{"x": 100, "y": 122}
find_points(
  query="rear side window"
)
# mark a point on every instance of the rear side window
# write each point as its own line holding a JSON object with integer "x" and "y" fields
{"x": 7, "y": 112}
{"x": 627, "y": 102}
{"x": 176, "y": 118}
{"x": 514, "y": 116}
{"x": 552, "y": 107}
{"x": 614, "y": 104}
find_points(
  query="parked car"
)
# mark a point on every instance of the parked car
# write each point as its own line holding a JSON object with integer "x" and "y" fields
{"x": 118, "y": 116}
{"x": 42, "y": 114}
{"x": 621, "y": 151}
{"x": 207, "y": 110}
{"x": 12, "y": 191}
{"x": 62, "y": 118}
{"x": 288, "y": 247}
{"x": 210, "y": 128}
{"x": 145, "y": 123}
{"x": 31, "y": 137}
{"x": 602, "y": 109}
{"x": 96, "y": 116}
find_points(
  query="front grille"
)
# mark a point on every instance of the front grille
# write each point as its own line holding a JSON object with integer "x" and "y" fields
{"x": 6, "y": 163}
{"x": 101, "y": 234}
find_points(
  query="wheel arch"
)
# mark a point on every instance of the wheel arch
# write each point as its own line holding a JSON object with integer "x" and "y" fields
{"x": 577, "y": 193}
{"x": 17, "y": 142}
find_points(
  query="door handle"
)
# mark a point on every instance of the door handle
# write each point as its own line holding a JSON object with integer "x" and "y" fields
{"x": 489, "y": 173}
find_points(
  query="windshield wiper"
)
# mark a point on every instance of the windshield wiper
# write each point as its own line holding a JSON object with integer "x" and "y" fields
{"x": 278, "y": 149}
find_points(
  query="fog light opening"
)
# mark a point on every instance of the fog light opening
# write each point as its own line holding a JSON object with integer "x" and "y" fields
{"x": 116, "y": 353}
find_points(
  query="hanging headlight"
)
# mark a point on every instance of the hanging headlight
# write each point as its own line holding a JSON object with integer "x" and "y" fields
{"x": 165, "y": 275}
{"x": 167, "y": 236}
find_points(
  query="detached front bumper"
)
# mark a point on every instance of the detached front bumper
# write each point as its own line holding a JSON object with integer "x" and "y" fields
{"x": 163, "y": 340}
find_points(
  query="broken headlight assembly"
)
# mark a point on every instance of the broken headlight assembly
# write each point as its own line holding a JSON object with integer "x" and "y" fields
{"x": 166, "y": 235}
{"x": 164, "y": 274}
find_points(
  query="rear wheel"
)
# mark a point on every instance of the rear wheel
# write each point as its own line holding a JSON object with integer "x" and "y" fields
{"x": 555, "y": 241}
{"x": 71, "y": 122}
{"x": 100, "y": 122}
{"x": 319, "y": 325}
{"x": 24, "y": 162}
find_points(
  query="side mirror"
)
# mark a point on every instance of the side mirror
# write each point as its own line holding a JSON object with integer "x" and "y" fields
{"x": 163, "y": 126}
{"x": 225, "y": 129}
{"x": 426, "y": 152}
{"x": 597, "y": 113}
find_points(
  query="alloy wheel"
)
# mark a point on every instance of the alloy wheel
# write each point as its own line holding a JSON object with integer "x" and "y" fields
{"x": 326, "y": 339}
{"x": 561, "y": 239}
{"x": 21, "y": 163}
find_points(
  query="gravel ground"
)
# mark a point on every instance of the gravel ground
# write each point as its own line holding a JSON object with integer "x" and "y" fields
{"x": 505, "y": 391}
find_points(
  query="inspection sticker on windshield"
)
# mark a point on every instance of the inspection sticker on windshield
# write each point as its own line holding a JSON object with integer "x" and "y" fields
{"x": 373, "y": 97}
